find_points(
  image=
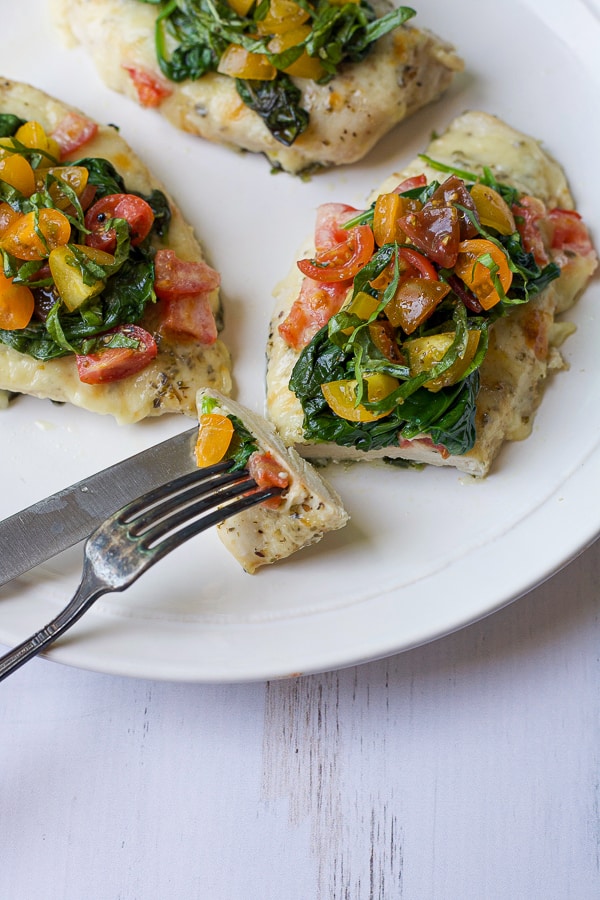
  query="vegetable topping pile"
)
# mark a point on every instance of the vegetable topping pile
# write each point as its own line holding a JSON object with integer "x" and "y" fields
{"x": 78, "y": 266}
{"x": 263, "y": 44}
{"x": 393, "y": 315}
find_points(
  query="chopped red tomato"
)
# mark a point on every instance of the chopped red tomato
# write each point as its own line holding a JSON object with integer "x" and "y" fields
{"x": 72, "y": 132}
{"x": 528, "y": 213}
{"x": 453, "y": 192}
{"x": 319, "y": 301}
{"x": 343, "y": 261}
{"x": 414, "y": 301}
{"x": 424, "y": 442}
{"x": 183, "y": 288}
{"x": 435, "y": 231}
{"x": 137, "y": 213}
{"x": 409, "y": 184}
{"x": 267, "y": 472}
{"x": 419, "y": 262}
{"x": 174, "y": 277}
{"x": 86, "y": 198}
{"x": 115, "y": 363}
{"x": 313, "y": 308}
{"x": 188, "y": 318}
{"x": 151, "y": 89}
{"x": 569, "y": 232}
{"x": 330, "y": 219}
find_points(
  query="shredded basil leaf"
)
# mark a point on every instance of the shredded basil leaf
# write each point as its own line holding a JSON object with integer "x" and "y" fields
{"x": 277, "y": 103}
{"x": 9, "y": 124}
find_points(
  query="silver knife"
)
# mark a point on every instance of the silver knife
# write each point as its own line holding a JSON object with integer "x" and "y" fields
{"x": 41, "y": 531}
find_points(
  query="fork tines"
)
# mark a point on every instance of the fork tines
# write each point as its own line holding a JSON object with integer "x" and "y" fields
{"x": 213, "y": 493}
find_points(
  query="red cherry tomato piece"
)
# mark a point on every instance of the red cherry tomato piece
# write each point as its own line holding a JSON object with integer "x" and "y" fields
{"x": 150, "y": 89}
{"x": 419, "y": 262}
{"x": 137, "y": 213}
{"x": 73, "y": 131}
{"x": 569, "y": 232}
{"x": 343, "y": 261}
{"x": 115, "y": 363}
{"x": 312, "y": 309}
{"x": 528, "y": 213}
{"x": 328, "y": 227}
{"x": 409, "y": 184}
{"x": 267, "y": 472}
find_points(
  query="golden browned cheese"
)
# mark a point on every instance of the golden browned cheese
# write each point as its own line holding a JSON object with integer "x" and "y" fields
{"x": 404, "y": 71}
{"x": 170, "y": 382}
{"x": 309, "y": 508}
{"x": 523, "y": 346}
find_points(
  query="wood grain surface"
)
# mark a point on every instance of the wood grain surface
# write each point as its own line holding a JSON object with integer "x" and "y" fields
{"x": 467, "y": 769}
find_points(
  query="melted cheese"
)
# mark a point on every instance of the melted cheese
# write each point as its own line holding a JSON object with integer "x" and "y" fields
{"x": 405, "y": 70}
{"x": 171, "y": 381}
{"x": 520, "y": 353}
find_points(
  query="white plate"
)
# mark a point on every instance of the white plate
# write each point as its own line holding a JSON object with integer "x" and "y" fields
{"x": 426, "y": 552}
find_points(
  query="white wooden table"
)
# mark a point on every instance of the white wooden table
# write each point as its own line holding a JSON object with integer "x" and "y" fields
{"x": 466, "y": 769}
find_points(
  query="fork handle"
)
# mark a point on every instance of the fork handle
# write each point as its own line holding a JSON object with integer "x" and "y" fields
{"x": 85, "y": 596}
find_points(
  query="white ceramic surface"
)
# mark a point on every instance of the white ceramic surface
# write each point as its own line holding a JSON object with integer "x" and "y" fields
{"x": 426, "y": 552}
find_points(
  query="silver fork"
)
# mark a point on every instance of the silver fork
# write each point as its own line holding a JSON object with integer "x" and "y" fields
{"x": 141, "y": 533}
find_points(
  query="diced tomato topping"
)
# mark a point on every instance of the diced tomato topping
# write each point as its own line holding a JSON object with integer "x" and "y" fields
{"x": 319, "y": 301}
{"x": 73, "y": 131}
{"x": 439, "y": 226}
{"x": 425, "y": 442}
{"x": 343, "y": 261}
{"x": 151, "y": 89}
{"x": 183, "y": 287}
{"x": 313, "y": 308}
{"x": 453, "y": 192}
{"x": 409, "y": 184}
{"x": 330, "y": 219}
{"x": 174, "y": 277}
{"x": 267, "y": 472}
{"x": 115, "y": 363}
{"x": 419, "y": 262}
{"x": 137, "y": 213}
{"x": 188, "y": 318}
{"x": 528, "y": 213}
{"x": 569, "y": 232}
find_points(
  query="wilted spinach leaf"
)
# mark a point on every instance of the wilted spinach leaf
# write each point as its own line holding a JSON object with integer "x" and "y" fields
{"x": 277, "y": 103}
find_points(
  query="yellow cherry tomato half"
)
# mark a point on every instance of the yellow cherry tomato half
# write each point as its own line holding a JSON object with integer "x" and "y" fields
{"x": 341, "y": 396}
{"x": 241, "y": 7}
{"x": 74, "y": 287}
{"x": 33, "y": 135}
{"x": 239, "y": 63}
{"x": 16, "y": 304}
{"x": 477, "y": 275}
{"x": 23, "y": 241}
{"x": 8, "y": 215}
{"x": 282, "y": 16}
{"x": 426, "y": 352}
{"x": 385, "y": 217}
{"x": 214, "y": 437}
{"x": 305, "y": 66}
{"x": 492, "y": 210}
{"x": 16, "y": 171}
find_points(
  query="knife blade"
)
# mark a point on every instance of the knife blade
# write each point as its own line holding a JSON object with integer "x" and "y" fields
{"x": 49, "y": 526}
